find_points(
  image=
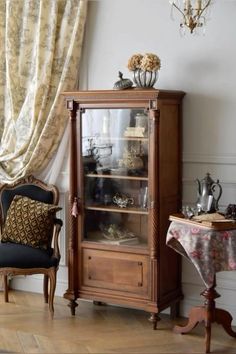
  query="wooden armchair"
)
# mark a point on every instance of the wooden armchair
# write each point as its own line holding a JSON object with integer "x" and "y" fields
{"x": 29, "y": 233}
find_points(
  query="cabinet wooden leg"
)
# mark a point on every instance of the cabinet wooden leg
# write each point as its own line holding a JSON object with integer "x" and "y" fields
{"x": 154, "y": 318}
{"x": 72, "y": 304}
{"x": 99, "y": 303}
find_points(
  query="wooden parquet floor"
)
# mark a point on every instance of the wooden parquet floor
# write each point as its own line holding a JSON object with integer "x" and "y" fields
{"x": 26, "y": 327}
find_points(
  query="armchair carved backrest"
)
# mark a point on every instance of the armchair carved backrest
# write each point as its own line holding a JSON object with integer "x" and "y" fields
{"x": 29, "y": 232}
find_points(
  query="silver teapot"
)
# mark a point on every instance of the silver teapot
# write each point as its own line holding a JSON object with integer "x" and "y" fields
{"x": 209, "y": 193}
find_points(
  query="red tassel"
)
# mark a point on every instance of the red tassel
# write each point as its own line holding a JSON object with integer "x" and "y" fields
{"x": 75, "y": 210}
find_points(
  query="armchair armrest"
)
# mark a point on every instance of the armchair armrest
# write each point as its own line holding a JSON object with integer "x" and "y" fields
{"x": 58, "y": 221}
{"x": 56, "y": 231}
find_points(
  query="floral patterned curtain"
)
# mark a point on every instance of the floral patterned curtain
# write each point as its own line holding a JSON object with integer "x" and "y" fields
{"x": 40, "y": 47}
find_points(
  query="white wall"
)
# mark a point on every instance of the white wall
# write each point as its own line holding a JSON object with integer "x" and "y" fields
{"x": 203, "y": 67}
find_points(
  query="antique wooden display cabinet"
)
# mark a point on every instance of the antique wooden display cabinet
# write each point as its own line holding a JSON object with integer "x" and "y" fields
{"x": 125, "y": 180}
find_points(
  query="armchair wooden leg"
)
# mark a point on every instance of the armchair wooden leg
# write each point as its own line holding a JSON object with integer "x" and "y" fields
{"x": 45, "y": 288}
{"x": 5, "y": 288}
{"x": 52, "y": 277}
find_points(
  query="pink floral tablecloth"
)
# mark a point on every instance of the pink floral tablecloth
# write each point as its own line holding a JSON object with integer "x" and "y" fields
{"x": 209, "y": 250}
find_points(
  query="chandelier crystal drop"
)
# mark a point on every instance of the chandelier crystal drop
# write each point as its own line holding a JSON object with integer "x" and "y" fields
{"x": 193, "y": 13}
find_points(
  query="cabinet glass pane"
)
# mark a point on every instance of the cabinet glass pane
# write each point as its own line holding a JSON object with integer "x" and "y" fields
{"x": 115, "y": 228}
{"x": 115, "y": 166}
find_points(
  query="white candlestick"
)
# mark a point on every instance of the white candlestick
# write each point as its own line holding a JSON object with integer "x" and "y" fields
{"x": 187, "y": 4}
{"x": 199, "y": 5}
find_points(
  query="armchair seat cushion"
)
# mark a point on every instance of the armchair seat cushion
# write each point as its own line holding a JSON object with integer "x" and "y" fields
{"x": 20, "y": 256}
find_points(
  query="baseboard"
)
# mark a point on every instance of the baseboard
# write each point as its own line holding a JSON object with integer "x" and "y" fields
{"x": 35, "y": 284}
{"x": 192, "y": 295}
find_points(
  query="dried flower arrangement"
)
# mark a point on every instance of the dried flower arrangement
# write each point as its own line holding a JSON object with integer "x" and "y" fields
{"x": 146, "y": 62}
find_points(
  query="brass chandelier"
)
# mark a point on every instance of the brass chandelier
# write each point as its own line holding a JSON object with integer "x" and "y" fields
{"x": 192, "y": 14}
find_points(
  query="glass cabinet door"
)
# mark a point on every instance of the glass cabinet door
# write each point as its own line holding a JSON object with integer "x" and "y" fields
{"x": 115, "y": 176}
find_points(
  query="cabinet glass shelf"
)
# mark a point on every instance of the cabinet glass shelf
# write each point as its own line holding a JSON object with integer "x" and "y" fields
{"x": 118, "y": 210}
{"x": 117, "y": 176}
{"x": 126, "y": 138}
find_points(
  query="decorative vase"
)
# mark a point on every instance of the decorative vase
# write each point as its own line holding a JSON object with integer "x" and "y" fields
{"x": 143, "y": 78}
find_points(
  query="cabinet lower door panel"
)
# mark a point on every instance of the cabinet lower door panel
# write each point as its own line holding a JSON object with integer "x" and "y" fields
{"x": 115, "y": 271}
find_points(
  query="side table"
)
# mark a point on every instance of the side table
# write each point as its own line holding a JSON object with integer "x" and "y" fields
{"x": 211, "y": 250}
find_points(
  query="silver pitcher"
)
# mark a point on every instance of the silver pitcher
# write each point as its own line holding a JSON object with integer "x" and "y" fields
{"x": 209, "y": 193}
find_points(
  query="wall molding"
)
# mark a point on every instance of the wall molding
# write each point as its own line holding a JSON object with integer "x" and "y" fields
{"x": 209, "y": 159}
{"x": 34, "y": 284}
{"x": 226, "y": 184}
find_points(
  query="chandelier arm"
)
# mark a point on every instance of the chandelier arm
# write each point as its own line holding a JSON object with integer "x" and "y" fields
{"x": 173, "y": 4}
{"x": 204, "y": 8}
